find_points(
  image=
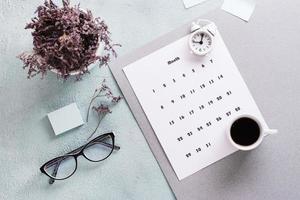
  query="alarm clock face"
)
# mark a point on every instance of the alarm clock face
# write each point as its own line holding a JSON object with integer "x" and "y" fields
{"x": 200, "y": 42}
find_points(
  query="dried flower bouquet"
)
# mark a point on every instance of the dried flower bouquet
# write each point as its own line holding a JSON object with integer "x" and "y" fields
{"x": 66, "y": 40}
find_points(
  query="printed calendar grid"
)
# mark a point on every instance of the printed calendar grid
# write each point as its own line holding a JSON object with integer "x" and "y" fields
{"x": 190, "y": 101}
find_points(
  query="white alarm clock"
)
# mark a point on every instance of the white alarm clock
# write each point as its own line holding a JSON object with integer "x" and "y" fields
{"x": 201, "y": 39}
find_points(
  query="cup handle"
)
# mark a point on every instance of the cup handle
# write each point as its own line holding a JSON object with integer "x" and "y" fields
{"x": 270, "y": 132}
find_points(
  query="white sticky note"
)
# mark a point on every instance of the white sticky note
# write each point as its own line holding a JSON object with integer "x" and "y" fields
{"x": 65, "y": 119}
{"x": 240, "y": 8}
{"x": 191, "y": 3}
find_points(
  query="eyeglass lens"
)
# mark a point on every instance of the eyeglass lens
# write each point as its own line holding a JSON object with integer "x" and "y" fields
{"x": 99, "y": 150}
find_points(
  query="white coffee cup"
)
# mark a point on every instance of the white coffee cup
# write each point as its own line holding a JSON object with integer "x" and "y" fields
{"x": 262, "y": 132}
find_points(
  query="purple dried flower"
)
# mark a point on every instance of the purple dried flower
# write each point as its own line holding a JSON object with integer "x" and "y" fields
{"x": 102, "y": 109}
{"x": 66, "y": 39}
{"x": 102, "y": 92}
{"x": 116, "y": 99}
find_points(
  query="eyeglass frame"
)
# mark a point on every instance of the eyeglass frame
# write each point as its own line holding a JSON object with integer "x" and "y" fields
{"x": 79, "y": 152}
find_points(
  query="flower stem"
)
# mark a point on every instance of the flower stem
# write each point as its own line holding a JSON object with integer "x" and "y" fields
{"x": 89, "y": 108}
{"x": 88, "y": 112}
{"x": 100, "y": 119}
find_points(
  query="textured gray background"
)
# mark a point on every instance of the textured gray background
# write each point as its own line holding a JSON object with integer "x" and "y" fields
{"x": 27, "y": 141}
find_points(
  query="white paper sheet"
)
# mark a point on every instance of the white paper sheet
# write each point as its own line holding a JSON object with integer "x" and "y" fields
{"x": 240, "y": 8}
{"x": 65, "y": 119}
{"x": 190, "y": 100}
{"x": 191, "y": 3}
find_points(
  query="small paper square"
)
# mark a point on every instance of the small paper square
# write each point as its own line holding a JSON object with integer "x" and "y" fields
{"x": 240, "y": 8}
{"x": 191, "y": 3}
{"x": 65, "y": 119}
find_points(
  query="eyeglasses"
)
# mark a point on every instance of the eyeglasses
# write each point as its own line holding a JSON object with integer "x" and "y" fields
{"x": 63, "y": 167}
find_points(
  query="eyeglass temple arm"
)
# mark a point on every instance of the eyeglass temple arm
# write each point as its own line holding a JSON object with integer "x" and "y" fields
{"x": 57, "y": 163}
{"x": 52, "y": 180}
{"x": 117, "y": 148}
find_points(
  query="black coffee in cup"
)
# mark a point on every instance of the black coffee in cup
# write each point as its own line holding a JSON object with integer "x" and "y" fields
{"x": 245, "y": 131}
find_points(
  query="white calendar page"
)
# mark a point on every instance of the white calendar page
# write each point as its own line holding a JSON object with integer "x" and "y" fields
{"x": 190, "y": 101}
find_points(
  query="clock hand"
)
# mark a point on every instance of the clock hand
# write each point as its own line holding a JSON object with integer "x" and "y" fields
{"x": 201, "y": 41}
